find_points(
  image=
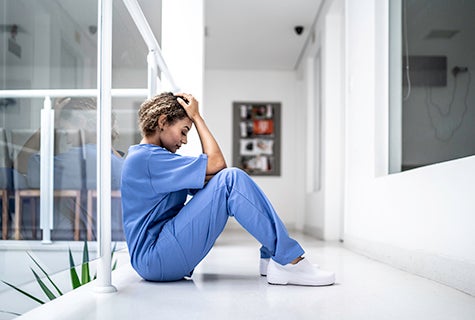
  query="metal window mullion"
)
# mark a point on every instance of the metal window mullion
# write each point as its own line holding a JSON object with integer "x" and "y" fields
{"x": 104, "y": 80}
{"x": 124, "y": 92}
{"x": 47, "y": 170}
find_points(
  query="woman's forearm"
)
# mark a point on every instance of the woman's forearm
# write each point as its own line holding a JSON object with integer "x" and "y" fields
{"x": 210, "y": 147}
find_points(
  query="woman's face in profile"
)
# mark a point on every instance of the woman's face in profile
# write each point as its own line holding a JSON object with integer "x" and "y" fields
{"x": 174, "y": 135}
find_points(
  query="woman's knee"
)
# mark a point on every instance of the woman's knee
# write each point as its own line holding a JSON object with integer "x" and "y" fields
{"x": 232, "y": 177}
{"x": 232, "y": 172}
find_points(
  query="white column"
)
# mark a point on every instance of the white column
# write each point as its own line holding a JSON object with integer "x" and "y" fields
{"x": 333, "y": 119}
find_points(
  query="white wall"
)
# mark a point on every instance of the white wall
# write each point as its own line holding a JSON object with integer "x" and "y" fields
{"x": 186, "y": 66}
{"x": 313, "y": 221}
{"x": 222, "y": 87}
{"x": 420, "y": 220}
{"x": 324, "y": 90}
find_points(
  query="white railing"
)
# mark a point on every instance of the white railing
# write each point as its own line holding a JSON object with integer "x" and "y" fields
{"x": 155, "y": 57}
{"x": 104, "y": 94}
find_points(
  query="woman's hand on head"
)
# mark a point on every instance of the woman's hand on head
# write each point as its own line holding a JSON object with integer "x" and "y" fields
{"x": 210, "y": 147}
{"x": 190, "y": 105}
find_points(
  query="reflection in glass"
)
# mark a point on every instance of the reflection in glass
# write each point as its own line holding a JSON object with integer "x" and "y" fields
{"x": 436, "y": 62}
{"x": 74, "y": 170}
{"x": 52, "y": 44}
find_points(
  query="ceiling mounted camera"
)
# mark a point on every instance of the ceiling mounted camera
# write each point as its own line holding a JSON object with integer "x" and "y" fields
{"x": 298, "y": 30}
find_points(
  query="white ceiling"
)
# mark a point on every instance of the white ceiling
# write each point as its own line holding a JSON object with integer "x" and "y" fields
{"x": 256, "y": 34}
{"x": 241, "y": 34}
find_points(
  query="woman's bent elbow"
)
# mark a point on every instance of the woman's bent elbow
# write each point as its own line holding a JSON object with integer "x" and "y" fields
{"x": 215, "y": 167}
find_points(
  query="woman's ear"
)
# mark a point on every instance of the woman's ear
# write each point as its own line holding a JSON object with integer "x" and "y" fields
{"x": 162, "y": 120}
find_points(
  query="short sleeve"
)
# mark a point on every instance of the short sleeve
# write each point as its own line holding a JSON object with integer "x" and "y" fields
{"x": 171, "y": 172}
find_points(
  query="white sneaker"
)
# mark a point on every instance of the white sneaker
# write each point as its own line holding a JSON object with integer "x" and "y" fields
{"x": 303, "y": 273}
{"x": 264, "y": 262}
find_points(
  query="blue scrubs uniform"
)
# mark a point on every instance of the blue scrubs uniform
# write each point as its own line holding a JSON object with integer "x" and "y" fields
{"x": 166, "y": 238}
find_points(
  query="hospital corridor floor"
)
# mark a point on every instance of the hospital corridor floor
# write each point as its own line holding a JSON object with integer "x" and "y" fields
{"x": 227, "y": 285}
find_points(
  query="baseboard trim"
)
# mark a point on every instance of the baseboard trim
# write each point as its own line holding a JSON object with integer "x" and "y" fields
{"x": 454, "y": 273}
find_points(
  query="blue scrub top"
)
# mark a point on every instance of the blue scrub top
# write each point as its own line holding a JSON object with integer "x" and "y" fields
{"x": 155, "y": 184}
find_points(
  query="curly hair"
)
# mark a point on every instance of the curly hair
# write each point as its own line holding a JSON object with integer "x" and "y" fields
{"x": 151, "y": 109}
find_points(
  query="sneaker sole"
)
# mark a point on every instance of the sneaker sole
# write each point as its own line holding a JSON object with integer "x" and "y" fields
{"x": 283, "y": 282}
{"x": 298, "y": 284}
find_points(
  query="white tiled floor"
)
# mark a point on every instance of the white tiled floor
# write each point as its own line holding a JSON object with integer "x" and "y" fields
{"x": 226, "y": 285}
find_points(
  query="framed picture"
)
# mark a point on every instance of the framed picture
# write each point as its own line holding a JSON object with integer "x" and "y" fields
{"x": 256, "y": 137}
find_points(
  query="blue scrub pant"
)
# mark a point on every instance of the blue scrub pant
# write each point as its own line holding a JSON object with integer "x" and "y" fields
{"x": 187, "y": 238}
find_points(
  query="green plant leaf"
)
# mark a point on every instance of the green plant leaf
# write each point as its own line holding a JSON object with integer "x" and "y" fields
{"x": 24, "y": 292}
{"x": 85, "y": 274}
{"x": 46, "y": 274}
{"x": 113, "y": 249}
{"x": 43, "y": 287}
{"x": 85, "y": 253}
{"x": 72, "y": 270}
{"x": 114, "y": 265}
{"x": 71, "y": 259}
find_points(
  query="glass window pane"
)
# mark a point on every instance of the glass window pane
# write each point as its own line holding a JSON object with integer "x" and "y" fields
{"x": 52, "y": 44}
{"x": 49, "y": 44}
{"x": 436, "y": 92}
